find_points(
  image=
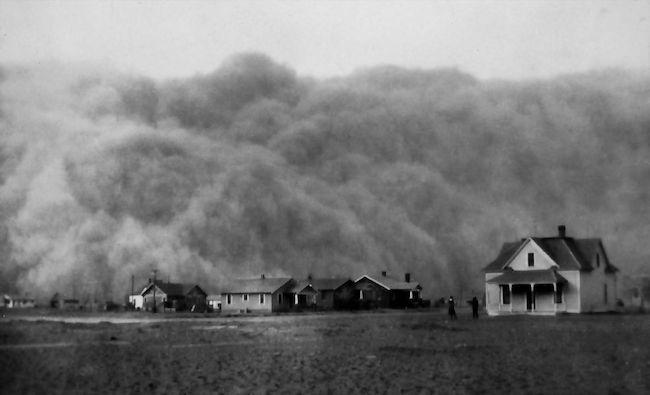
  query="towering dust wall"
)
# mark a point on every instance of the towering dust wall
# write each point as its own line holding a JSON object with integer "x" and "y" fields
{"x": 255, "y": 169}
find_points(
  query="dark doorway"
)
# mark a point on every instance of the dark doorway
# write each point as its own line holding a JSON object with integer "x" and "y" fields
{"x": 530, "y": 302}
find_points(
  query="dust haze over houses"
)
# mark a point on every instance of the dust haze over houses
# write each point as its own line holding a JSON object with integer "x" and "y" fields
{"x": 227, "y": 140}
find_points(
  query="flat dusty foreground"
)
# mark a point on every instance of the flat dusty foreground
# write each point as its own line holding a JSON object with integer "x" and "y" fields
{"x": 381, "y": 352}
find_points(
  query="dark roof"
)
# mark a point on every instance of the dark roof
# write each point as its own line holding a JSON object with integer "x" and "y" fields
{"x": 187, "y": 288}
{"x": 567, "y": 252}
{"x": 507, "y": 251}
{"x": 256, "y": 285}
{"x": 303, "y": 287}
{"x": 392, "y": 284}
{"x": 326, "y": 284}
{"x": 529, "y": 277}
{"x": 170, "y": 289}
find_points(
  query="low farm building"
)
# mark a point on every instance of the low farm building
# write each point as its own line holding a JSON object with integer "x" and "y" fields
{"x": 17, "y": 302}
{"x": 547, "y": 275}
{"x": 386, "y": 292}
{"x": 258, "y": 295}
{"x": 174, "y": 297}
{"x": 334, "y": 293}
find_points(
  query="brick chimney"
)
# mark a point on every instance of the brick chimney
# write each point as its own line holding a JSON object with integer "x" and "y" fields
{"x": 407, "y": 277}
{"x": 383, "y": 273}
{"x": 561, "y": 230}
{"x": 263, "y": 276}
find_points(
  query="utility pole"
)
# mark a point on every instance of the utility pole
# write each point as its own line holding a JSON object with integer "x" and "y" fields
{"x": 155, "y": 271}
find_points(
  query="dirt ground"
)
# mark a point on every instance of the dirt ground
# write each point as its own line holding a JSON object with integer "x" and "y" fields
{"x": 378, "y": 352}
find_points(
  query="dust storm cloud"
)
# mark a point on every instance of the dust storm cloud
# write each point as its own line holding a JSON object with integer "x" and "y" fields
{"x": 253, "y": 168}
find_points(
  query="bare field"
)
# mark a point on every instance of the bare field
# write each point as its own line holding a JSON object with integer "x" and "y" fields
{"x": 379, "y": 352}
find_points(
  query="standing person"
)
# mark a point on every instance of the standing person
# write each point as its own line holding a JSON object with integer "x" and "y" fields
{"x": 475, "y": 308}
{"x": 452, "y": 309}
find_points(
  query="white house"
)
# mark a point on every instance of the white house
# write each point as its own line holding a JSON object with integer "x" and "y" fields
{"x": 17, "y": 302}
{"x": 258, "y": 295}
{"x": 137, "y": 301}
{"x": 549, "y": 275}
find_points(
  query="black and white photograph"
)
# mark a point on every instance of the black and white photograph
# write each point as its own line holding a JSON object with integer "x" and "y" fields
{"x": 324, "y": 197}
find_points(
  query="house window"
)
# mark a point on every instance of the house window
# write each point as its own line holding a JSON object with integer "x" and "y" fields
{"x": 505, "y": 294}
{"x": 280, "y": 298}
{"x": 605, "y": 293}
{"x": 261, "y": 298}
{"x": 228, "y": 299}
{"x": 531, "y": 259}
{"x": 597, "y": 260}
{"x": 558, "y": 293}
{"x": 244, "y": 297}
{"x": 360, "y": 294}
{"x": 410, "y": 294}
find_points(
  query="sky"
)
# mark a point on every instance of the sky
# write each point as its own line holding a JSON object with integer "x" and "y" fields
{"x": 489, "y": 39}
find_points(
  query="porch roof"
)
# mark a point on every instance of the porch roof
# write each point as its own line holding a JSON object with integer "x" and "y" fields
{"x": 529, "y": 277}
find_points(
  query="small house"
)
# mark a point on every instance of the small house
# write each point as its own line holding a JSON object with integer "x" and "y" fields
{"x": 136, "y": 302}
{"x": 547, "y": 275}
{"x": 258, "y": 295}
{"x": 334, "y": 293}
{"x": 167, "y": 296}
{"x": 195, "y": 299}
{"x": 304, "y": 295}
{"x": 386, "y": 292}
{"x": 214, "y": 302}
{"x": 58, "y": 301}
{"x": 17, "y": 302}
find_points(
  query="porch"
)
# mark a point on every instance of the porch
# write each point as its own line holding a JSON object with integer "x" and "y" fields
{"x": 530, "y": 292}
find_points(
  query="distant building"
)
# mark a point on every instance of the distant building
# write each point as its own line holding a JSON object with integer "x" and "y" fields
{"x": 550, "y": 275}
{"x": 386, "y": 292}
{"x": 174, "y": 297}
{"x": 214, "y": 302}
{"x": 304, "y": 295}
{"x": 333, "y": 293}
{"x": 136, "y": 301}
{"x": 17, "y": 302}
{"x": 195, "y": 299}
{"x": 258, "y": 295}
{"x": 165, "y": 295}
{"x": 58, "y": 301}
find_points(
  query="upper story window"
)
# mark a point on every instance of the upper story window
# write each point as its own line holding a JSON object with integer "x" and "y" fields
{"x": 531, "y": 259}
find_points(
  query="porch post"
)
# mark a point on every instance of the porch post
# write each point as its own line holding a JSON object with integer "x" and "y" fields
{"x": 554, "y": 297}
{"x": 532, "y": 296}
{"x": 510, "y": 293}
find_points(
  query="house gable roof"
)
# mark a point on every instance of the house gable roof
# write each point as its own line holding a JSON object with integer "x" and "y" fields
{"x": 568, "y": 253}
{"x": 169, "y": 289}
{"x": 329, "y": 284}
{"x": 304, "y": 288}
{"x": 256, "y": 285}
{"x": 391, "y": 284}
{"x": 191, "y": 287}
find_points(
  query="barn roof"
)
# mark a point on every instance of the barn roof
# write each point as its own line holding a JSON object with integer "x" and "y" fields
{"x": 529, "y": 277}
{"x": 256, "y": 285}
{"x": 567, "y": 252}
